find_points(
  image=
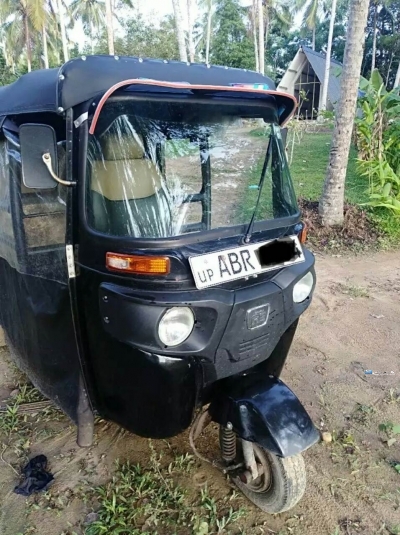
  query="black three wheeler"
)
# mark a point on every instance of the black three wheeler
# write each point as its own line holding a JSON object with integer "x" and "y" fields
{"x": 152, "y": 266}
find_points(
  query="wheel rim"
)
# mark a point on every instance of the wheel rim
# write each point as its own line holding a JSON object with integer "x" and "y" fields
{"x": 263, "y": 482}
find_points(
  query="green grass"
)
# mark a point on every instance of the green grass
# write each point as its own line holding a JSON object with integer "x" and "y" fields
{"x": 308, "y": 170}
{"x": 309, "y": 165}
{"x": 148, "y": 500}
{"x": 389, "y": 224}
{"x": 179, "y": 148}
{"x": 246, "y": 208}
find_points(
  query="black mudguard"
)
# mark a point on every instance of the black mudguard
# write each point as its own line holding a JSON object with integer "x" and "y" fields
{"x": 265, "y": 411}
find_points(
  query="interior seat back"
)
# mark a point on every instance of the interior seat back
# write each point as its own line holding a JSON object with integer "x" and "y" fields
{"x": 127, "y": 191}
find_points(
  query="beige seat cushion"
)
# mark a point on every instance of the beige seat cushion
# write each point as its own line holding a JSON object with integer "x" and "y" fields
{"x": 118, "y": 147}
{"x": 125, "y": 173}
{"x": 125, "y": 179}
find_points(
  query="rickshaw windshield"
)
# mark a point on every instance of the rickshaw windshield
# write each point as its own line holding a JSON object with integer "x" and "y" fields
{"x": 164, "y": 168}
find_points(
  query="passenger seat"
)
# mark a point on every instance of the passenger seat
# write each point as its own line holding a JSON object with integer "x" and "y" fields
{"x": 128, "y": 198}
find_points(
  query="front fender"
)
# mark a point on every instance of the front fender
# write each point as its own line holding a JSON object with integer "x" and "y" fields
{"x": 265, "y": 411}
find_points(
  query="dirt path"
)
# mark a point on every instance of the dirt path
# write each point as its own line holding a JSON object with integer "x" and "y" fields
{"x": 233, "y": 156}
{"x": 353, "y": 325}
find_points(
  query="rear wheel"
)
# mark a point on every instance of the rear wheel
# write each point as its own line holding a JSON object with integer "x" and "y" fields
{"x": 280, "y": 485}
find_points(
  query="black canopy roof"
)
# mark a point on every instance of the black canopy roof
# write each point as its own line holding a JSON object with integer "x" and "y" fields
{"x": 84, "y": 78}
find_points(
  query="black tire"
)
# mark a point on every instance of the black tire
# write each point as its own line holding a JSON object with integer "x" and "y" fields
{"x": 287, "y": 485}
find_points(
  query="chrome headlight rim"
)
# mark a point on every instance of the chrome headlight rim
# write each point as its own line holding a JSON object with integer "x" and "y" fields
{"x": 303, "y": 288}
{"x": 178, "y": 315}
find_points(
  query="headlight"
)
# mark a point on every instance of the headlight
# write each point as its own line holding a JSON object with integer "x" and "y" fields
{"x": 176, "y": 326}
{"x": 302, "y": 289}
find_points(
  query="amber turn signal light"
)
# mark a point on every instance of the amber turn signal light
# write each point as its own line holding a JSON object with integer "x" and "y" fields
{"x": 142, "y": 265}
{"x": 303, "y": 234}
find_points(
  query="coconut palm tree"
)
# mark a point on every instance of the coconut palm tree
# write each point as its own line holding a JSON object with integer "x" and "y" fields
{"x": 324, "y": 94}
{"x": 110, "y": 26}
{"x": 61, "y": 22}
{"x": 313, "y": 12}
{"x": 260, "y": 13}
{"x": 374, "y": 34}
{"x": 45, "y": 49}
{"x": 23, "y": 18}
{"x": 179, "y": 30}
{"x": 280, "y": 10}
{"x": 11, "y": 44}
{"x": 210, "y": 12}
{"x": 190, "y": 12}
{"x": 332, "y": 199}
{"x": 203, "y": 31}
{"x": 253, "y": 19}
{"x": 376, "y": 5}
{"x": 92, "y": 15}
{"x": 261, "y": 36}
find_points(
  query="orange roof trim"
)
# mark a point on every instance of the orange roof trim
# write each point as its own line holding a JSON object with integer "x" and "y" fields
{"x": 183, "y": 85}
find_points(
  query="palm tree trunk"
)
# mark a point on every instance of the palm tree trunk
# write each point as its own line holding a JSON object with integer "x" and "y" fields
{"x": 110, "y": 27}
{"x": 28, "y": 43}
{"x": 389, "y": 68}
{"x": 332, "y": 199}
{"x": 92, "y": 38}
{"x": 266, "y": 25}
{"x": 254, "y": 22}
{"x": 45, "y": 50}
{"x": 313, "y": 38}
{"x": 208, "y": 39}
{"x": 374, "y": 39}
{"x": 397, "y": 80}
{"x": 190, "y": 30}
{"x": 63, "y": 30}
{"x": 261, "y": 44}
{"x": 324, "y": 95}
{"x": 179, "y": 30}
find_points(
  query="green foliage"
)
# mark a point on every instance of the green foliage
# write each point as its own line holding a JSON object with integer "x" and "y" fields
{"x": 308, "y": 169}
{"x": 378, "y": 142}
{"x": 388, "y": 223}
{"x": 387, "y": 36}
{"x": 309, "y": 165}
{"x": 141, "y": 38}
{"x": 232, "y": 45}
{"x": 6, "y": 74}
{"x": 146, "y": 500}
{"x": 147, "y": 40}
{"x": 390, "y": 428}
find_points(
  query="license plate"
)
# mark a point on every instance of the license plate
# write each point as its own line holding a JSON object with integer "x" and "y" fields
{"x": 216, "y": 268}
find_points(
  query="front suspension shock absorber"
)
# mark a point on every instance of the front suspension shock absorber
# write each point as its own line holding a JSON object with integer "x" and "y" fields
{"x": 228, "y": 443}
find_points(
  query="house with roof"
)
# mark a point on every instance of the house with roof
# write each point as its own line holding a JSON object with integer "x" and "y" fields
{"x": 304, "y": 78}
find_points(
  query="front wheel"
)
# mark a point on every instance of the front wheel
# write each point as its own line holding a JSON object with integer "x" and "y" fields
{"x": 281, "y": 484}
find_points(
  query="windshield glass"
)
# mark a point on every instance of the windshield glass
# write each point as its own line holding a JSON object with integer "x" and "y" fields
{"x": 157, "y": 169}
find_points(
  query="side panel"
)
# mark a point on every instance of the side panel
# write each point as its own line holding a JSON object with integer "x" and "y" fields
{"x": 150, "y": 395}
{"x": 35, "y": 307}
{"x": 36, "y": 317}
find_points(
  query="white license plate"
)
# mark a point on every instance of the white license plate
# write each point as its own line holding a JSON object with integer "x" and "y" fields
{"x": 241, "y": 262}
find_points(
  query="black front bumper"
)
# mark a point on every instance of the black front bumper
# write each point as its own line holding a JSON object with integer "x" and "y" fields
{"x": 230, "y": 335}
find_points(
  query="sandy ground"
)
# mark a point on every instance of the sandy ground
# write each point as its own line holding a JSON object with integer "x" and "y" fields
{"x": 232, "y": 158}
{"x": 352, "y": 325}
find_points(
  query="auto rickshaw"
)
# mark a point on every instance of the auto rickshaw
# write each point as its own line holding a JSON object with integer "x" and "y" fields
{"x": 152, "y": 259}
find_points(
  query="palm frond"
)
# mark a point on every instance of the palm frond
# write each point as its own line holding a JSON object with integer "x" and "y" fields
{"x": 284, "y": 14}
{"x": 36, "y": 13}
{"x": 311, "y": 14}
